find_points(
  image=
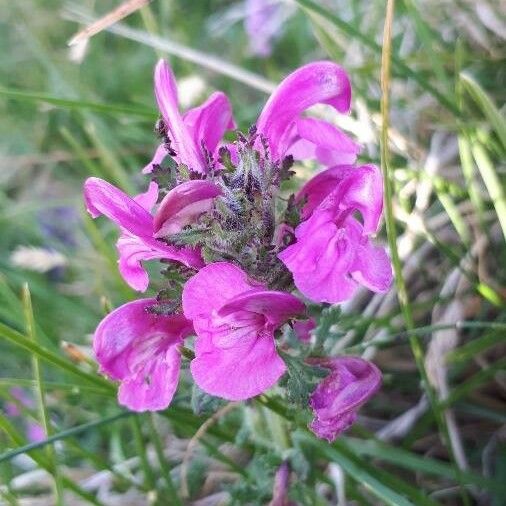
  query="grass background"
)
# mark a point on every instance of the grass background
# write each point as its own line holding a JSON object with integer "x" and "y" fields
{"x": 434, "y": 434}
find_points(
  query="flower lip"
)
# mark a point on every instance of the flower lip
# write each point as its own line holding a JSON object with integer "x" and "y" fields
{"x": 180, "y": 206}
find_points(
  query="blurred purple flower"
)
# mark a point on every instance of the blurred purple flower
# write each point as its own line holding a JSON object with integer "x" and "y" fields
{"x": 139, "y": 349}
{"x": 352, "y": 382}
{"x": 140, "y": 229}
{"x": 263, "y": 23}
{"x": 195, "y": 134}
{"x": 34, "y": 431}
{"x": 281, "y": 484}
{"x": 333, "y": 253}
{"x": 235, "y": 319}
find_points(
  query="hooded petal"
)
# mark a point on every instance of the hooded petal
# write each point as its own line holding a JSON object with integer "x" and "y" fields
{"x": 181, "y": 140}
{"x": 238, "y": 372}
{"x": 212, "y": 287}
{"x": 345, "y": 189}
{"x": 317, "y": 82}
{"x": 183, "y": 204}
{"x": 139, "y": 349}
{"x": 102, "y": 197}
{"x": 351, "y": 382}
{"x": 331, "y": 145}
{"x": 208, "y": 122}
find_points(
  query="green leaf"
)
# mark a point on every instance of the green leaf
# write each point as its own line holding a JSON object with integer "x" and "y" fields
{"x": 486, "y": 104}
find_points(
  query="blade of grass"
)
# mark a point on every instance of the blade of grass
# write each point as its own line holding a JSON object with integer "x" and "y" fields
{"x": 210, "y": 61}
{"x": 473, "y": 348}
{"x": 47, "y": 355}
{"x": 474, "y": 382}
{"x": 486, "y": 104}
{"x": 165, "y": 469}
{"x": 402, "y": 293}
{"x": 64, "y": 434}
{"x": 492, "y": 182}
{"x": 149, "y": 477}
{"x": 41, "y": 394}
{"x": 369, "y": 477}
{"x": 41, "y": 461}
{"x": 66, "y": 103}
{"x": 409, "y": 460}
{"x": 401, "y": 69}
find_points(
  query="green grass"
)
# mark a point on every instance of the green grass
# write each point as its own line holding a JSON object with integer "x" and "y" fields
{"x": 63, "y": 121}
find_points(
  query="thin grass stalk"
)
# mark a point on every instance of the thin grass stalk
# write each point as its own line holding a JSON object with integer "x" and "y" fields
{"x": 149, "y": 477}
{"x": 41, "y": 394}
{"x": 164, "y": 466}
{"x": 402, "y": 293}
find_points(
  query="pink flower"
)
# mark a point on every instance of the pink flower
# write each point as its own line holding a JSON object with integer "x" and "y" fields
{"x": 287, "y": 132}
{"x": 201, "y": 128}
{"x": 140, "y": 229}
{"x": 333, "y": 253}
{"x": 235, "y": 318}
{"x": 352, "y": 382}
{"x": 139, "y": 349}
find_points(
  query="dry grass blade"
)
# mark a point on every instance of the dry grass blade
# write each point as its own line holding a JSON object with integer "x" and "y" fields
{"x": 124, "y": 10}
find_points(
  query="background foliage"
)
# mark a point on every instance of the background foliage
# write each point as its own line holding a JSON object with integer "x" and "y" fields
{"x": 434, "y": 433}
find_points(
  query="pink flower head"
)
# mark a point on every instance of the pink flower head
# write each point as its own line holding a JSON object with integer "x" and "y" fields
{"x": 333, "y": 253}
{"x": 140, "y": 229}
{"x": 201, "y": 128}
{"x": 287, "y": 132}
{"x": 235, "y": 319}
{"x": 139, "y": 349}
{"x": 352, "y": 382}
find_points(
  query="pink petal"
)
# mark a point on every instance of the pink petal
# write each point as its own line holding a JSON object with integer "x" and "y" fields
{"x": 320, "y": 260}
{"x": 102, "y": 197}
{"x": 372, "y": 267}
{"x": 346, "y": 188}
{"x": 208, "y": 122}
{"x": 351, "y": 382}
{"x": 318, "y": 82}
{"x": 166, "y": 97}
{"x": 332, "y": 145}
{"x": 184, "y": 204}
{"x": 148, "y": 199}
{"x": 239, "y": 372}
{"x": 212, "y": 287}
{"x": 277, "y": 307}
{"x": 303, "y": 329}
{"x": 139, "y": 349}
{"x": 134, "y": 250}
{"x": 137, "y": 394}
{"x": 157, "y": 159}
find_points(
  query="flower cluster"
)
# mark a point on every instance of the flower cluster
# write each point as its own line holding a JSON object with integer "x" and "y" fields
{"x": 236, "y": 244}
